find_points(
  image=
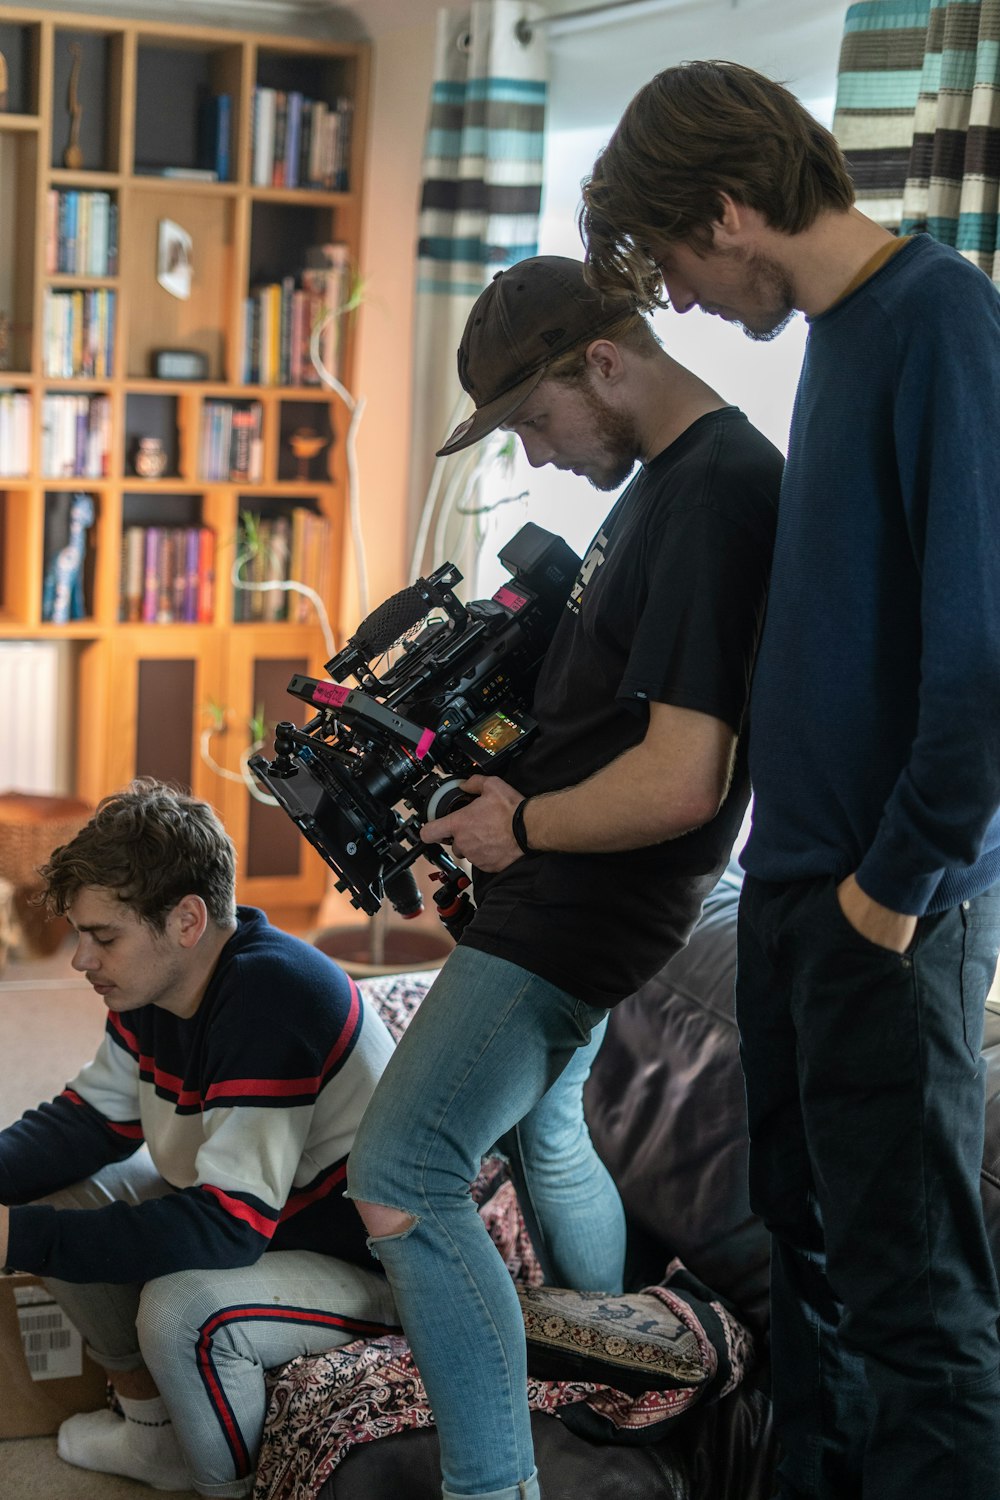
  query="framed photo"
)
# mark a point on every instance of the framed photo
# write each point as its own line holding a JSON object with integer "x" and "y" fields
{"x": 174, "y": 259}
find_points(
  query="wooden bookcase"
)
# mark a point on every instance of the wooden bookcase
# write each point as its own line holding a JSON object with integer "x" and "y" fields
{"x": 144, "y": 690}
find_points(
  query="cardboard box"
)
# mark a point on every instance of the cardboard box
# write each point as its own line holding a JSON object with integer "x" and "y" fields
{"x": 45, "y": 1376}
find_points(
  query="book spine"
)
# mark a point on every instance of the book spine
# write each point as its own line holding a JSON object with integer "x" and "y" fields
{"x": 133, "y": 574}
{"x": 52, "y": 238}
{"x": 256, "y": 443}
{"x": 305, "y": 143}
{"x": 100, "y": 213}
{"x": 280, "y": 133}
{"x": 112, "y": 240}
{"x": 213, "y": 135}
{"x": 82, "y": 267}
{"x": 192, "y": 539}
{"x": 317, "y": 143}
{"x": 281, "y": 547}
{"x": 345, "y": 117}
{"x": 239, "y": 453}
{"x": 206, "y": 576}
{"x": 293, "y": 134}
{"x": 150, "y": 595}
{"x": 69, "y": 242}
{"x": 285, "y": 340}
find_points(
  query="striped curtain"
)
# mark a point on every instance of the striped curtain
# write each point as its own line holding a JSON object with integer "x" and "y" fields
{"x": 918, "y": 117}
{"x": 479, "y": 212}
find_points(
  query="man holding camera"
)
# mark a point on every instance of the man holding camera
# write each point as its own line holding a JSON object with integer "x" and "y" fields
{"x": 591, "y": 862}
{"x": 241, "y": 1059}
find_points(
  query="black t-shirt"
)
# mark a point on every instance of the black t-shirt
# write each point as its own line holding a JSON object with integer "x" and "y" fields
{"x": 668, "y": 607}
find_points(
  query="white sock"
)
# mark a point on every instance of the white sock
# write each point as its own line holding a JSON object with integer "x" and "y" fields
{"x": 141, "y": 1445}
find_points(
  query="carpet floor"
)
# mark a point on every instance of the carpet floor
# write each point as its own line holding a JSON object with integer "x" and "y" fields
{"x": 50, "y": 1024}
{"x": 30, "y": 1470}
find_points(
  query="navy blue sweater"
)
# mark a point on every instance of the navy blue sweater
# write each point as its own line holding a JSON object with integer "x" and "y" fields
{"x": 249, "y": 1109}
{"x": 875, "y": 741}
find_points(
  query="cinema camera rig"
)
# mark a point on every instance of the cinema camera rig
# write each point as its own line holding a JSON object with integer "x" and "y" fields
{"x": 379, "y": 760}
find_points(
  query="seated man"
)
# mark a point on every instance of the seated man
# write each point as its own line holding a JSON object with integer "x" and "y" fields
{"x": 212, "y": 1126}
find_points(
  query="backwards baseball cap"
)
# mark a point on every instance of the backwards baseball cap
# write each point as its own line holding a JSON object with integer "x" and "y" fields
{"x": 527, "y": 316}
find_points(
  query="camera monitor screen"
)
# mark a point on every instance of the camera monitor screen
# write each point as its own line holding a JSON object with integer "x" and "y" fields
{"x": 495, "y": 732}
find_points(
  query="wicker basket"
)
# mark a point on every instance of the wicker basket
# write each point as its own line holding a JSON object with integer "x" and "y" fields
{"x": 31, "y": 827}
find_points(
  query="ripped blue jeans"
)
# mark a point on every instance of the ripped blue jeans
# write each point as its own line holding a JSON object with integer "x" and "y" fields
{"x": 491, "y": 1048}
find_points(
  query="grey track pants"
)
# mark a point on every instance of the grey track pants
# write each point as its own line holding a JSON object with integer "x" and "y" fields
{"x": 207, "y": 1337}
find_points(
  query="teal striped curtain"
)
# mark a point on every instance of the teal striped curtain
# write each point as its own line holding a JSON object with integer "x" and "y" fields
{"x": 480, "y": 200}
{"x": 918, "y": 117}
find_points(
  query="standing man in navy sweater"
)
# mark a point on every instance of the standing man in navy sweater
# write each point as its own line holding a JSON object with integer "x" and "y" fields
{"x": 212, "y": 1126}
{"x": 870, "y": 918}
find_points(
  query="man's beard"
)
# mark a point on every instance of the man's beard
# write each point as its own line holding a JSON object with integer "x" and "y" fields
{"x": 772, "y": 286}
{"x": 616, "y": 432}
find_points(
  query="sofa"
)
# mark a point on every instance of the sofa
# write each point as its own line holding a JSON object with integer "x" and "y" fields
{"x": 666, "y": 1109}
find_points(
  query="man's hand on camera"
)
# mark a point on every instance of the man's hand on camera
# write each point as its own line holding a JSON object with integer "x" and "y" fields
{"x": 481, "y": 831}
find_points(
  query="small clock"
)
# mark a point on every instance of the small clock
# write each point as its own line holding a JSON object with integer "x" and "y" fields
{"x": 180, "y": 364}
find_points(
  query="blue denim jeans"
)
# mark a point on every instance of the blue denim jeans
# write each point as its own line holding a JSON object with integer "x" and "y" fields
{"x": 493, "y": 1054}
{"x": 865, "y": 1092}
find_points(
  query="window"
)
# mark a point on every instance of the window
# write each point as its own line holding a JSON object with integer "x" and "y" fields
{"x": 595, "y": 70}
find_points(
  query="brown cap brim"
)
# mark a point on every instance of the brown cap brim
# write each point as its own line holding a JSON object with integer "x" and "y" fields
{"x": 491, "y": 416}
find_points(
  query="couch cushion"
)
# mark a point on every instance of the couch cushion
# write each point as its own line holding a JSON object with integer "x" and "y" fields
{"x": 674, "y": 1338}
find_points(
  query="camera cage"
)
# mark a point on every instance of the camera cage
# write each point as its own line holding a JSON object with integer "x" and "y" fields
{"x": 378, "y": 760}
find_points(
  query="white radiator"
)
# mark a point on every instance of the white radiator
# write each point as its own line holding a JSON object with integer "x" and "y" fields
{"x": 34, "y": 716}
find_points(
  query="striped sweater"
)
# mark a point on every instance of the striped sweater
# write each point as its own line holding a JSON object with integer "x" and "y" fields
{"x": 248, "y": 1108}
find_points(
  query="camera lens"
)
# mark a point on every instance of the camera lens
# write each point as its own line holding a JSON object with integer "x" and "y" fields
{"x": 447, "y": 797}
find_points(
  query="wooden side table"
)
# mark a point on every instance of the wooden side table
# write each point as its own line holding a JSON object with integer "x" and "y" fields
{"x": 31, "y": 826}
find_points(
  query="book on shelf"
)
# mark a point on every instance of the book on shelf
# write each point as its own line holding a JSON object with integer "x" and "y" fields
{"x": 280, "y": 133}
{"x": 309, "y": 560}
{"x": 206, "y": 577}
{"x": 246, "y": 444}
{"x": 327, "y": 282}
{"x": 232, "y": 441}
{"x": 151, "y": 567}
{"x": 291, "y": 547}
{"x": 76, "y": 436}
{"x": 285, "y": 329}
{"x": 214, "y": 124}
{"x": 189, "y": 597}
{"x": 263, "y": 135}
{"x": 279, "y": 319}
{"x": 78, "y": 333}
{"x": 81, "y": 236}
{"x": 68, "y": 208}
{"x": 176, "y": 174}
{"x": 167, "y": 575}
{"x": 15, "y": 434}
{"x": 133, "y": 568}
{"x": 276, "y": 559}
{"x": 173, "y": 578}
{"x": 298, "y": 142}
{"x": 293, "y": 138}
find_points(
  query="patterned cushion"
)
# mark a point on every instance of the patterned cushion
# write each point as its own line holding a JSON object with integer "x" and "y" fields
{"x": 673, "y": 1337}
{"x": 634, "y": 1343}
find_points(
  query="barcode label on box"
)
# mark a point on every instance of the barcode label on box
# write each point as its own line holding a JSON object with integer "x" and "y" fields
{"x": 53, "y": 1348}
